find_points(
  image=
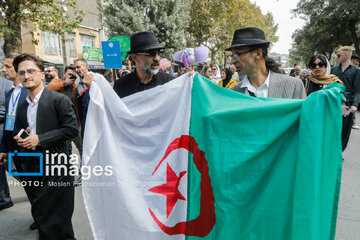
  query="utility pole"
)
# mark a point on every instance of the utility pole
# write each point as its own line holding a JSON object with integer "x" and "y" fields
{"x": 63, "y": 43}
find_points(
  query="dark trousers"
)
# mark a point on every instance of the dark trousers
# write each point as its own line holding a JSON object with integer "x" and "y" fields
{"x": 4, "y": 187}
{"x": 346, "y": 130}
{"x": 52, "y": 203}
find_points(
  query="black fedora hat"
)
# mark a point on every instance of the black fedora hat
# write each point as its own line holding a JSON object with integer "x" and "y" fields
{"x": 142, "y": 41}
{"x": 249, "y": 36}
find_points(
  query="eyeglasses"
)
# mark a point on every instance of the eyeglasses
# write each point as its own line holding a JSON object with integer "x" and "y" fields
{"x": 214, "y": 69}
{"x": 151, "y": 54}
{"x": 320, "y": 64}
{"x": 30, "y": 72}
{"x": 238, "y": 54}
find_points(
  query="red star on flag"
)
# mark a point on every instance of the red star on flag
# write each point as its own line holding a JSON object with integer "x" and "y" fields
{"x": 170, "y": 189}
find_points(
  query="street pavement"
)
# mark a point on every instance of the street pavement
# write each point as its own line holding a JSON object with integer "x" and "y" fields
{"x": 15, "y": 221}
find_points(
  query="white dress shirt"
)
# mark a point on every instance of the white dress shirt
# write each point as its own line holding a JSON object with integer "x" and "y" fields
{"x": 32, "y": 111}
{"x": 262, "y": 91}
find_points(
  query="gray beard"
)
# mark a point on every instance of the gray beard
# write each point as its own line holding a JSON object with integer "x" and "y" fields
{"x": 147, "y": 69}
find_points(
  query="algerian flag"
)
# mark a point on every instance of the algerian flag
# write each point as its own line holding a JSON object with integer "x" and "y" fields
{"x": 192, "y": 160}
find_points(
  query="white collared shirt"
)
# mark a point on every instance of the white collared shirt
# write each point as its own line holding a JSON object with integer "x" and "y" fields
{"x": 32, "y": 111}
{"x": 262, "y": 91}
{"x": 14, "y": 99}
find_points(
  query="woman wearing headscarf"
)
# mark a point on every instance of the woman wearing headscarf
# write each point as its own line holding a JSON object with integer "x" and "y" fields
{"x": 216, "y": 73}
{"x": 320, "y": 76}
{"x": 226, "y": 80}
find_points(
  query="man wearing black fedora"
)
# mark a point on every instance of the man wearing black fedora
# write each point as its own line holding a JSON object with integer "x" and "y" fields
{"x": 263, "y": 79}
{"x": 145, "y": 53}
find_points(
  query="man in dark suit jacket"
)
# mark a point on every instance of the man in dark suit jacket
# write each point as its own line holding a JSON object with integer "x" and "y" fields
{"x": 17, "y": 95}
{"x": 50, "y": 120}
{"x": 249, "y": 56}
{"x": 13, "y": 100}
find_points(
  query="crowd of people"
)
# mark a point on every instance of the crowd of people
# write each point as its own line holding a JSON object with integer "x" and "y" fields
{"x": 53, "y": 111}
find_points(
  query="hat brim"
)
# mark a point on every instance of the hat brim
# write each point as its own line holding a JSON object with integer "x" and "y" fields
{"x": 145, "y": 49}
{"x": 247, "y": 44}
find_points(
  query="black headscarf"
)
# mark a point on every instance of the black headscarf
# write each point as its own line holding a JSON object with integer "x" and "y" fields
{"x": 228, "y": 74}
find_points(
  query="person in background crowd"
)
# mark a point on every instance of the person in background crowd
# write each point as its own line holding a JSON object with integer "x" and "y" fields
{"x": 68, "y": 87}
{"x": 83, "y": 94}
{"x": 124, "y": 73}
{"x": 355, "y": 59}
{"x": 320, "y": 76}
{"x": 183, "y": 71}
{"x": 51, "y": 73}
{"x": 263, "y": 79}
{"x": 226, "y": 78}
{"x": 216, "y": 74}
{"x": 207, "y": 72}
{"x": 235, "y": 75}
{"x": 350, "y": 76}
{"x": 297, "y": 71}
{"x": 5, "y": 88}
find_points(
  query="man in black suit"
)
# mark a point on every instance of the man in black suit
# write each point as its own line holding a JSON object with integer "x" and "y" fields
{"x": 13, "y": 99}
{"x": 50, "y": 120}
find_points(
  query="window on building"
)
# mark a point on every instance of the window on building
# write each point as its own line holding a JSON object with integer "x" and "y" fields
{"x": 70, "y": 44}
{"x": 50, "y": 43}
{"x": 88, "y": 41}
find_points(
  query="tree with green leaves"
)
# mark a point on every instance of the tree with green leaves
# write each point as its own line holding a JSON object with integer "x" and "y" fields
{"x": 213, "y": 23}
{"x": 330, "y": 23}
{"x": 168, "y": 19}
{"x": 44, "y": 15}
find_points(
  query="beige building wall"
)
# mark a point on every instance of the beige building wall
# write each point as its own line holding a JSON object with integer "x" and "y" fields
{"x": 91, "y": 26}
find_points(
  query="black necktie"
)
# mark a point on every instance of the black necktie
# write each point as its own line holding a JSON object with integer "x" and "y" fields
{"x": 251, "y": 93}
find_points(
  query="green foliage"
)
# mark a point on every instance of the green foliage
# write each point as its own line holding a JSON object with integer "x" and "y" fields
{"x": 213, "y": 23}
{"x": 46, "y": 15}
{"x": 331, "y": 23}
{"x": 168, "y": 19}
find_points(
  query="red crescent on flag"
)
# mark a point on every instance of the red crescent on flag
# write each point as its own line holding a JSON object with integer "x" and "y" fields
{"x": 203, "y": 224}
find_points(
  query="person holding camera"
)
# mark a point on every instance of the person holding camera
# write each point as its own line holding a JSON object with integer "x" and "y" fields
{"x": 68, "y": 87}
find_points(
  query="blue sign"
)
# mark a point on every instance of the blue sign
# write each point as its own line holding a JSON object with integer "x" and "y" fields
{"x": 111, "y": 54}
{"x": 15, "y": 153}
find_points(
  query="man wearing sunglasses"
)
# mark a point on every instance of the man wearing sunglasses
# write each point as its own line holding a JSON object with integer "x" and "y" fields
{"x": 145, "y": 54}
{"x": 350, "y": 76}
{"x": 263, "y": 78}
{"x": 51, "y": 73}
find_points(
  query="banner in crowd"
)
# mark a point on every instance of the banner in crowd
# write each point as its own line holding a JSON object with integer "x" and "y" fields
{"x": 192, "y": 160}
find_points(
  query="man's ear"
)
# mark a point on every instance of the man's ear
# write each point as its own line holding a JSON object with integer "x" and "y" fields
{"x": 259, "y": 53}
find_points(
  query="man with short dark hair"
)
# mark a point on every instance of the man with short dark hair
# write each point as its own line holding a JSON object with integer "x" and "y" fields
{"x": 5, "y": 87}
{"x": 68, "y": 87}
{"x": 83, "y": 94}
{"x": 263, "y": 78}
{"x": 50, "y": 121}
{"x": 350, "y": 76}
{"x": 51, "y": 73}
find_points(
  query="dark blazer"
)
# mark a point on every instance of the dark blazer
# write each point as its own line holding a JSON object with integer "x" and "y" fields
{"x": 7, "y": 141}
{"x": 281, "y": 86}
{"x": 55, "y": 120}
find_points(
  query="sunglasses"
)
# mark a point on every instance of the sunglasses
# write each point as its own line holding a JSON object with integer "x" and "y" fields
{"x": 151, "y": 54}
{"x": 320, "y": 64}
{"x": 214, "y": 69}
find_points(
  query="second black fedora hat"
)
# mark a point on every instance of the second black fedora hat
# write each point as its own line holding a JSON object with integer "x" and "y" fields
{"x": 248, "y": 37}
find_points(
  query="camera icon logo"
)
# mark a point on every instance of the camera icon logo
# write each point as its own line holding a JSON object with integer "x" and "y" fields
{"x": 16, "y": 153}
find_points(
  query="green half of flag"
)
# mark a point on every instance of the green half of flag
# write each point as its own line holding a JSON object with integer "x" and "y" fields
{"x": 274, "y": 164}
